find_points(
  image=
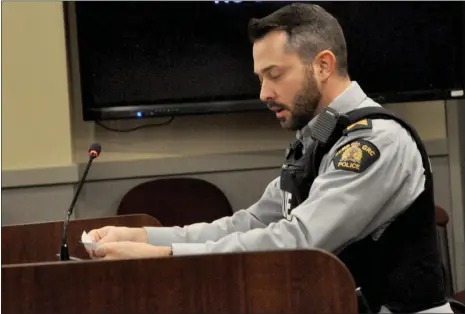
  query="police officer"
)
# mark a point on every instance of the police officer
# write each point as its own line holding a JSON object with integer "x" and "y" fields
{"x": 370, "y": 193}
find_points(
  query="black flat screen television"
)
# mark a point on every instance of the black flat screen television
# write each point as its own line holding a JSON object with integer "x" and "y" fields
{"x": 145, "y": 59}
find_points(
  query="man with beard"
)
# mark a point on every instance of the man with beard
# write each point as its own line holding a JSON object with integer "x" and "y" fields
{"x": 370, "y": 201}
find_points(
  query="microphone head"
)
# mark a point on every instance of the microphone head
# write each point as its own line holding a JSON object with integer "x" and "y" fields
{"x": 94, "y": 150}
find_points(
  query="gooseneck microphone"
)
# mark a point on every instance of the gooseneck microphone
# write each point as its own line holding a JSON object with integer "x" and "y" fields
{"x": 94, "y": 152}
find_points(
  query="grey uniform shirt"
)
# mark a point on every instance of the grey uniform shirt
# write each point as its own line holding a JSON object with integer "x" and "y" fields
{"x": 342, "y": 206}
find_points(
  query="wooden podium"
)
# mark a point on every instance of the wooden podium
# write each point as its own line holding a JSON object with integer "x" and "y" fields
{"x": 34, "y": 281}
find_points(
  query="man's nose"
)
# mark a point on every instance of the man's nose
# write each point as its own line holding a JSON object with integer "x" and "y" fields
{"x": 267, "y": 94}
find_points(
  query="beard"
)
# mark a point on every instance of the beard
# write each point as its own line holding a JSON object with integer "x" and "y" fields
{"x": 303, "y": 106}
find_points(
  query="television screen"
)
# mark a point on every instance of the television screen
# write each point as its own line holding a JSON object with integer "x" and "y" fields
{"x": 140, "y": 59}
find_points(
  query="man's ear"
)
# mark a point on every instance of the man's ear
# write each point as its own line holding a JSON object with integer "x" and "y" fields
{"x": 324, "y": 65}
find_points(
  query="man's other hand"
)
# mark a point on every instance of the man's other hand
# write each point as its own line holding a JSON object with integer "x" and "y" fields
{"x": 118, "y": 234}
{"x": 129, "y": 250}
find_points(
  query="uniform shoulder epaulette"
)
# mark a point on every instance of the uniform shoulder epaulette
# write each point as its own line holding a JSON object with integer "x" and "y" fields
{"x": 359, "y": 125}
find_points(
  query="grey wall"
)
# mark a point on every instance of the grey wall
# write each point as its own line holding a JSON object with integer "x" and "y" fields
{"x": 42, "y": 195}
{"x": 455, "y": 115}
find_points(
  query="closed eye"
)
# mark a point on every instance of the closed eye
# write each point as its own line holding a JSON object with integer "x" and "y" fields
{"x": 275, "y": 77}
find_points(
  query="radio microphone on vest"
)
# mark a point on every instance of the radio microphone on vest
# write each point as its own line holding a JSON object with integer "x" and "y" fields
{"x": 94, "y": 152}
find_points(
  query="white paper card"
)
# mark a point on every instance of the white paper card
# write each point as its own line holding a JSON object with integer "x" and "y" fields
{"x": 86, "y": 240}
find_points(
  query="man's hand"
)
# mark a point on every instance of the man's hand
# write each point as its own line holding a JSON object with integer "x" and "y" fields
{"x": 116, "y": 234}
{"x": 129, "y": 250}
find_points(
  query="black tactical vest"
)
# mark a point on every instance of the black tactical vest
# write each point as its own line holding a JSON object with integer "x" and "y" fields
{"x": 402, "y": 268}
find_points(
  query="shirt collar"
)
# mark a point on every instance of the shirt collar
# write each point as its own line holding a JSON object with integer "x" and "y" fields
{"x": 350, "y": 99}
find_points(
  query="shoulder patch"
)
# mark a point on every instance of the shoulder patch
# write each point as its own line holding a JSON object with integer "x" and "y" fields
{"x": 356, "y": 156}
{"x": 359, "y": 125}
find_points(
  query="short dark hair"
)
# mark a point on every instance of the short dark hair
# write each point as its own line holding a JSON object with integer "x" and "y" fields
{"x": 310, "y": 29}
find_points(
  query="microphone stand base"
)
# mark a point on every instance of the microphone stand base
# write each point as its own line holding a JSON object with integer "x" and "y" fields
{"x": 64, "y": 253}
